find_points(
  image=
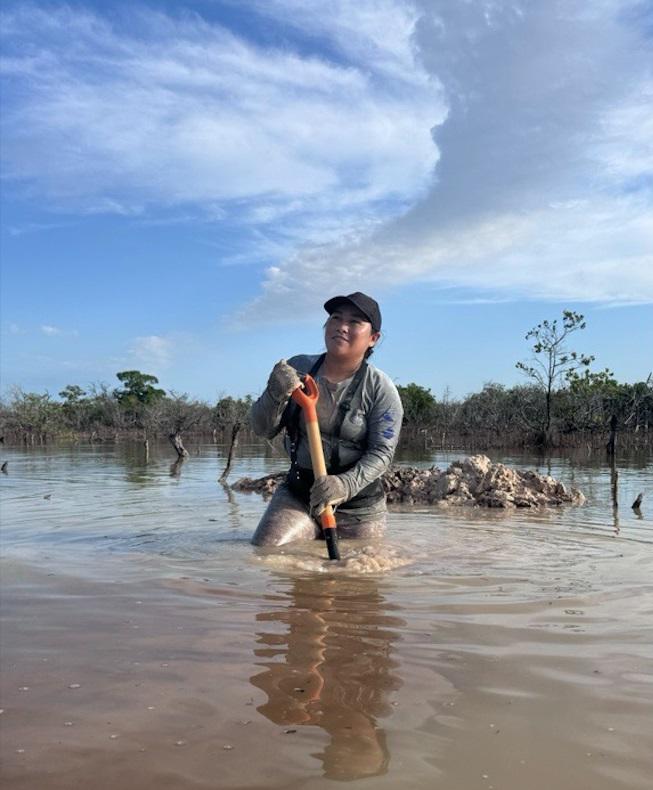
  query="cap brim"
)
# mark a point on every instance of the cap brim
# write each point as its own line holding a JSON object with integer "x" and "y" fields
{"x": 331, "y": 305}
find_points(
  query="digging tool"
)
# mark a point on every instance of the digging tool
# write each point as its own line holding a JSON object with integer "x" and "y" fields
{"x": 307, "y": 398}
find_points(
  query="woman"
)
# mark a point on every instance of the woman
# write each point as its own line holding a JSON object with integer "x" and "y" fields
{"x": 359, "y": 412}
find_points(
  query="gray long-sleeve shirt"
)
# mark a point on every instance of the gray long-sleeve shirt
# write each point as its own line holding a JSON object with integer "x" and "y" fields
{"x": 369, "y": 433}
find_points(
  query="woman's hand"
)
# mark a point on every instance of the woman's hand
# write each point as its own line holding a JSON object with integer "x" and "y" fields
{"x": 283, "y": 380}
{"x": 327, "y": 490}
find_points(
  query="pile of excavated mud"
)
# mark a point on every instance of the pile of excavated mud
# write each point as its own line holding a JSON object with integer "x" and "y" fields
{"x": 475, "y": 481}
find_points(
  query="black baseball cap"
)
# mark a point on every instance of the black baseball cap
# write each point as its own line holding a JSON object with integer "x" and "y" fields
{"x": 368, "y": 307}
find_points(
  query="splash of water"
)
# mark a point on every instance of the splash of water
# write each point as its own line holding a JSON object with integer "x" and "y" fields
{"x": 375, "y": 558}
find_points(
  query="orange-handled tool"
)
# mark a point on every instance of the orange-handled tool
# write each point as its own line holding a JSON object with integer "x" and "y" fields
{"x": 307, "y": 398}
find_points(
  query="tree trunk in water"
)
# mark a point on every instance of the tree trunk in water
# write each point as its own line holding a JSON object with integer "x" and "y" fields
{"x": 234, "y": 441}
{"x": 614, "y": 478}
{"x": 610, "y": 446}
{"x": 175, "y": 440}
{"x": 547, "y": 428}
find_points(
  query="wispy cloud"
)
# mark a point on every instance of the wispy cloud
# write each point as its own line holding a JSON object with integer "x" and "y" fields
{"x": 161, "y": 112}
{"x": 35, "y": 227}
{"x": 51, "y": 331}
{"x": 378, "y": 33}
{"x": 153, "y": 351}
{"x": 56, "y": 331}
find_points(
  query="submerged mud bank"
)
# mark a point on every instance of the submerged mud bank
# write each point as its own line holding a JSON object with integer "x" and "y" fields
{"x": 475, "y": 481}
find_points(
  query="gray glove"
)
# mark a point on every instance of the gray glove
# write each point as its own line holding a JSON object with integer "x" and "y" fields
{"x": 283, "y": 380}
{"x": 327, "y": 490}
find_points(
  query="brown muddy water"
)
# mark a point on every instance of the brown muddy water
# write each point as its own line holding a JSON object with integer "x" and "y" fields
{"x": 146, "y": 644}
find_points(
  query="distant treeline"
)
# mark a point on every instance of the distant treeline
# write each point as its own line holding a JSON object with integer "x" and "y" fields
{"x": 587, "y": 412}
{"x": 137, "y": 410}
{"x": 564, "y": 403}
{"x": 581, "y": 413}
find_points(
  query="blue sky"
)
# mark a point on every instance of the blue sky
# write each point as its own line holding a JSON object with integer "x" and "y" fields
{"x": 185, "y": 183}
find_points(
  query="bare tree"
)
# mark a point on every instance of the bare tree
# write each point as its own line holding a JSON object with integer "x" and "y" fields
{"x": 178, "y": 413}
{"x": 551, "y": 361}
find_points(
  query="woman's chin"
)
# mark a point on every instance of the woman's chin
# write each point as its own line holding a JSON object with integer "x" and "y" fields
{"x": 338, "y": 348}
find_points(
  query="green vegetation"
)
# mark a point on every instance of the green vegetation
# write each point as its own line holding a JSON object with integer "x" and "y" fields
{"x": 497, "y": 416}
{"x": 138, "y": 389}
{"x": 564, "y": 404}
{"x": 138, "y": 410}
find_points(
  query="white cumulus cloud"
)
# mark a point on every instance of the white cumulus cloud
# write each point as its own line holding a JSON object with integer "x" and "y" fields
{"x": 543, "y": 186}
{"x": 504, "y": 146}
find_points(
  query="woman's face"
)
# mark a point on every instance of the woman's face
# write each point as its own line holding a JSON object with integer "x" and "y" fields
{"x": 348, "y": 334}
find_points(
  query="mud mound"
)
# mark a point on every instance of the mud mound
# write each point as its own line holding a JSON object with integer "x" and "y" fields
{"x": 476, "y": 481}
{"x": 260, "y": 485}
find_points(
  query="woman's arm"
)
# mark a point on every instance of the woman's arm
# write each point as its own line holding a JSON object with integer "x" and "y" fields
{"x": 383, "y": 428}
{"x": 265, "y": 415}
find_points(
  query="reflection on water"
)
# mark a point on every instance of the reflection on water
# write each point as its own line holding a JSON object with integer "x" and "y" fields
{"x": 176, "y": 466}
{"x": 327, "y": 658}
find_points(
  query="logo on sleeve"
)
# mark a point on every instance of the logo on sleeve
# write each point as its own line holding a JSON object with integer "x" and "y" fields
{"x": 388, "y": 431}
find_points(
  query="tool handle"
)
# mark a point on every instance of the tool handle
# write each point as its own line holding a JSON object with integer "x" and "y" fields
{"x": 327, "y": 517}
{"x": 307, "y": 399}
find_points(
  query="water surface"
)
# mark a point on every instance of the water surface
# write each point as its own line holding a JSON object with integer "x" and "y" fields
{"x": 469, "y": 648}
